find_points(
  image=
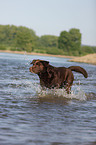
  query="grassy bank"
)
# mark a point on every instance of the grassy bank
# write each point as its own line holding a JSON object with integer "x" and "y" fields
{"x": 90, "y": 58}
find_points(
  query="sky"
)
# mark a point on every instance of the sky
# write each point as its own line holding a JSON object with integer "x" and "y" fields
{"x": 50, "y": 17}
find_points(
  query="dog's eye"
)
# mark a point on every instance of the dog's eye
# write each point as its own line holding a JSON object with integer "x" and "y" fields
{"x": 37, "y": 63}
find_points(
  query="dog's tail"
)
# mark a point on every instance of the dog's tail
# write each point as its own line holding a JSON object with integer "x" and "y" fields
{"x": 79, "y": 70}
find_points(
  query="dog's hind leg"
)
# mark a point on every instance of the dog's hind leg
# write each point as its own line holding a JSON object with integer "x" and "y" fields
{"x": 69, "y": 82}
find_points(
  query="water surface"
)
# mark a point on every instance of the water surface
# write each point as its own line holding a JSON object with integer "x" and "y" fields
{"x": 30, "y": 116}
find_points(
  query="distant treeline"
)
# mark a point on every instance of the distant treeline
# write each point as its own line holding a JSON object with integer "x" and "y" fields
{"x": 24, "y": 39}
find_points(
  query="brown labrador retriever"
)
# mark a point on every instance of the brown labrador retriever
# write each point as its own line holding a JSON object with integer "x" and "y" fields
{"x": 55, "y": 77}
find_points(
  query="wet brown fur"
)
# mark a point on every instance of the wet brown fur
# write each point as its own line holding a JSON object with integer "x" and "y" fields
{"x": 55, "y": 77}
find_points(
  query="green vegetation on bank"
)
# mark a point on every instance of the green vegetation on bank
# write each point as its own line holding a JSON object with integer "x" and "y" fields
{"x": 24, "y": 39}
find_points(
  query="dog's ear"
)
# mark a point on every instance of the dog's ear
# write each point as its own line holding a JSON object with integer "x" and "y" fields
{"x": 45, "y": 63}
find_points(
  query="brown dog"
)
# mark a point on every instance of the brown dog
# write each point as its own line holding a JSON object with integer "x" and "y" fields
{"x": 55, "y": 77}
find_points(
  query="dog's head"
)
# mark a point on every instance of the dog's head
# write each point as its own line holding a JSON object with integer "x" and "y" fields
{"x": 39, "y": 66}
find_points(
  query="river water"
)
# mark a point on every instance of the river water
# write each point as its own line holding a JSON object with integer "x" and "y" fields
{"x": 30, "y": 116}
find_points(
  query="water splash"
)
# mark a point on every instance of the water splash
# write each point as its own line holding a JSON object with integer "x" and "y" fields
{"x": 33, "y": 89}
{"x": 77, "y": 93}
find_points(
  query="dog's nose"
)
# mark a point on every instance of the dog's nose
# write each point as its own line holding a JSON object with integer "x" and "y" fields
{"x": 31, "y": 62}
{"x": 30, "y": 69}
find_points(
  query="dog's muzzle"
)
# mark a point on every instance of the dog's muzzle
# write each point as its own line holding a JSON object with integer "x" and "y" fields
{"x": 30, "y": 69}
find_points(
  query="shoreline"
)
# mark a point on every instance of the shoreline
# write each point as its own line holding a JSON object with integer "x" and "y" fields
{"x": 34, "y": 53}
{"x": 90, "y": 58}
